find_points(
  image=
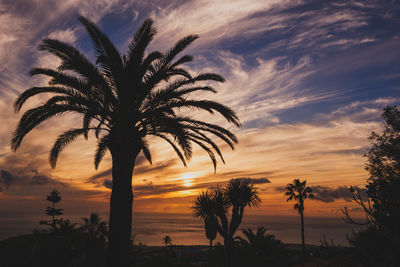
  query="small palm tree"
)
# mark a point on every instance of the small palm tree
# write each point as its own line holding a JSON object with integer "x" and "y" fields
{"x": 299, "y": 191}
{"x": 260, "y": 241}
{"x": 167, "y": 241}
{"x": 124, "y": 99}
{"x": 94, "y": 227}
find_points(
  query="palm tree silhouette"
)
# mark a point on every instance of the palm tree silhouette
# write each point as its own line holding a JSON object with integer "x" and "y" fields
{"x": 94, "y": 227}
{"x": 237, "y": 194}
{"x": 123, "y": 100}
{"x": 299, "y": 191}
{"x": 167, "y": 241}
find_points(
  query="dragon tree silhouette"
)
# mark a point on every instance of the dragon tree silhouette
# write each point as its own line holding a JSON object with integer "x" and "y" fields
{"x": 216, "y": 203}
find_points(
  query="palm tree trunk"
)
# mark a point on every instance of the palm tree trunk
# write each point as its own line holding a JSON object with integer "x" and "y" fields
{"x": 120, "y": 221}
{"x": 210, "y": 253}
{"x": 302, "y": 230}
{"x": 228, "y": 251}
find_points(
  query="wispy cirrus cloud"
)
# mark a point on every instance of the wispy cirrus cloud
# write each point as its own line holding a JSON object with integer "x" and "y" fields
{"x": 214, "y": 21}
{"x": 299, "y": 25}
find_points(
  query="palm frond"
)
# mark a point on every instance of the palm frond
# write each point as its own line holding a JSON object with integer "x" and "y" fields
{"x": 182, "y": 60}
{"x": 204, "y": 138}
{"x": 62, "y": 141}
{"x": 146, "y": 150}
{"x": 107, "y": 55}
{"x": 140, "y": 41}
{"x": 179, "y": 46}
{"x": 208, "y": 150}
{"x": 22, "y": 98}
{"x": 211, "y": 126}
{"x": 60, "y": 78}
{"x": 209, "y": 106}
{"x": 36, "y": 116}
{"x": 177, "y": 151}
{"x": 102, "y": 147}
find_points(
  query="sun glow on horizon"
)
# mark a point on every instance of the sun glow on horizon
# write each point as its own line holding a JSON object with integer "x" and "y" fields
{"x": 188, "y": 183}
{"x": 187, "y": 178}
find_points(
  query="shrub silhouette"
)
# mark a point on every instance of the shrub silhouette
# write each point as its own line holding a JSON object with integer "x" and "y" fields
{"x": 260, "y": 249}
{"x": 260, "y": 242}
{"x": 94, "y": 227}
{"x": 94, "y": 234}
{"x": 62, "y": 244}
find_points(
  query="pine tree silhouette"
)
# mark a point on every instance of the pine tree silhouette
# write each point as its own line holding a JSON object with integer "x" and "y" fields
{"x": 54, "y": 197}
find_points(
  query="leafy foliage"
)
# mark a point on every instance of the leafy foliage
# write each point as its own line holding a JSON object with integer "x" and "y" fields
{"x": 380, "y": 241}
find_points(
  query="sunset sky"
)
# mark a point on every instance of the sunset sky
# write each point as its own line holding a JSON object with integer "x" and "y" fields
{"x": 308, "y": 80}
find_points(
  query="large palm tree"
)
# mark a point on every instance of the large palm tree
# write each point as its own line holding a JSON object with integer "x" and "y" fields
{"x": 123, "y": 99}
{"x": 298, "y": 191}
{"x": 234, "y": 197}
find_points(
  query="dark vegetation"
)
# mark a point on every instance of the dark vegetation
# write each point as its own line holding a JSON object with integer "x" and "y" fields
{"x": 299, "y": 191}
{"x": 60, "y": 243}
{"x": 213, "y": 207}
{"x": 65, "y": 243}
{"x": 378, "y": 244}
{"x": 123, "y": 100}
